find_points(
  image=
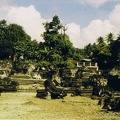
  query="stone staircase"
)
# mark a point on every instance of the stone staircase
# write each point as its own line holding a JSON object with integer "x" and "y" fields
{"x": 85, "y": 76}
{"x": 26, "y": 83}
{"x": 23, "y": 79}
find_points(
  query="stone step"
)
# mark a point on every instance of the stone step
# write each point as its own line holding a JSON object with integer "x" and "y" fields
{"x": 21, "y": 76}
{"x": 28, "y": 81}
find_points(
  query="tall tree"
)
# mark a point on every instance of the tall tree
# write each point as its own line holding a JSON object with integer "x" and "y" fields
{"x": 32, "y": 50}
{"x": 115, "y": 51}
{"x": 13, "y": 40}
{"x": 110, "y": 38}
{"x": 58, "y": 45}
{"x": 88, "y": 50}
{"x": 5, "y": 47}
{"x": 102, "y": 54}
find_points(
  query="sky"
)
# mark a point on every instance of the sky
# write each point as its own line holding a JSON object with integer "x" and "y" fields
{"x": 85, "y": 20}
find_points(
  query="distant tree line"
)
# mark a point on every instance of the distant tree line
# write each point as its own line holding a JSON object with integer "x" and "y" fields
{"x": 105, "y": 51}
{"x": 57, "y": 49}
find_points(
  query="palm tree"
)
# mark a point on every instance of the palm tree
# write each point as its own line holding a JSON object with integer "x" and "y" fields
{"x": 100, "y": 40}
{"x": 110, "y": 38}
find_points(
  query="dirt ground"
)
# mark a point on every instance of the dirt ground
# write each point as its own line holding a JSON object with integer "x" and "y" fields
{"x": 25, "y": 106}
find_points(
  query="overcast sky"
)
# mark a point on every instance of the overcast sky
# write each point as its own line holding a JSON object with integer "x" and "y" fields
{"x": 86, "y": 20}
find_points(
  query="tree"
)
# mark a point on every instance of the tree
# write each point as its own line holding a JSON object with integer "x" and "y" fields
{"x": 88, "y": 50}
{"x": 5, "y": 47}
{"x": 110, "y": 38}
{"x": 106, "y": 52}
{"x": 115, "y": 51}
{"x": 53, "y": 27}
{"x": 100, "y": 40}
{"x": 32, "y": 50}
{"x": 14, "y": 43}
{"x": 78, "y": 54}
{"x": 57, "y": 45}
{"x": 102, "y": 54}
{"x": 13, "y": 40}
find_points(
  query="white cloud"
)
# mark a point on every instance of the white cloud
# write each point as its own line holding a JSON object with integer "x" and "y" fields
{"x": 74, "y": 33}
{"x": 89, "y": 34}
{"x": 114, "y": 18}
{"x": 96, "y": 29}
{"x": 4, "y": 8}
{"x": 29, "y": 18}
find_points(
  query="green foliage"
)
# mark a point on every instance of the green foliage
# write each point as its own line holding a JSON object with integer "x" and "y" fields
{"x": 110, "y": 38}
{"x": 106, "y": 52}
{"x": 115, "y": 51}
{"x": 88, "y": 50}
{"x": 53, "y": 26}
{"x": 32, "y": 50}
{"x": 43, "y": 64}
{"x": 13, "y": 40}
{"x": 78, "y": 54}
{"x": 5, "y": 47}
{"x": 102, "y": 54}
{"x": 69, "y": 63}
{"x": 57, "y": 46}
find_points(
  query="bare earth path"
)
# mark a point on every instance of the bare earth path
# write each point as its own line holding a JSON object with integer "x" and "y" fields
{"x": 25, "y": 106}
